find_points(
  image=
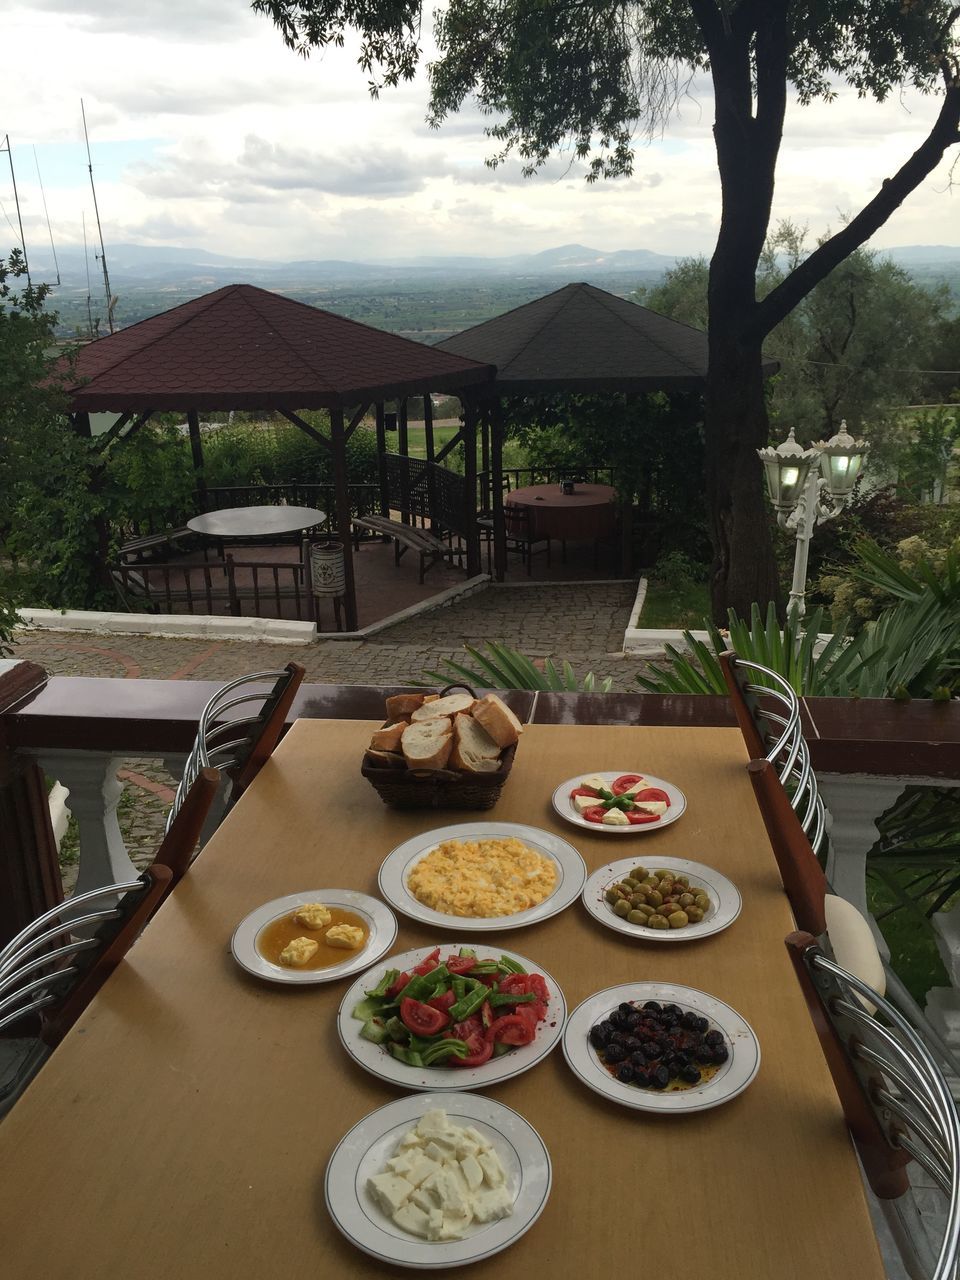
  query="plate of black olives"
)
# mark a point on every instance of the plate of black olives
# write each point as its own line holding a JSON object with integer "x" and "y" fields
{"x": 655, "y": 1046}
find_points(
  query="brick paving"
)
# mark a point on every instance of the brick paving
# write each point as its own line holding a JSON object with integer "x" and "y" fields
{"x": 582, "y": 623}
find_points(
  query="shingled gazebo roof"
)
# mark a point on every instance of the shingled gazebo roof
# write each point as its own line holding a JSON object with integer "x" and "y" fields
{"x": 583, "y": 339}
{"x": 246, "y": 348}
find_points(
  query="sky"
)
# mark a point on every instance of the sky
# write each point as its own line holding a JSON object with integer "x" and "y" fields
{"x": 207, "y": 132}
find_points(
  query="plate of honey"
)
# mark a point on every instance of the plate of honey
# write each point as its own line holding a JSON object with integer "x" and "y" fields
{"x": 320, "y": 935}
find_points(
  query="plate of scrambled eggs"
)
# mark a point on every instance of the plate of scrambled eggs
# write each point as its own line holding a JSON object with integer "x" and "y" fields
{"x": 478, "y": 876}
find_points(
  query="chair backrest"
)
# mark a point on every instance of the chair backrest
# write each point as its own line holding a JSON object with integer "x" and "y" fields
{"x": 768, "y": 712}
{"x": 180, "y": 841}
{"x": 803, "y": 878}
{"x": 895, "y": 1099}
{"x": 51, "y": 969}
{"x": 239, "y": 745}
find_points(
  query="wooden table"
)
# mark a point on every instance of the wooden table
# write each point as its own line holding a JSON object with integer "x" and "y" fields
{"x": 182, "y": 1129}
{"x": 241, "y": 523}
{"x": 587, "y": 513}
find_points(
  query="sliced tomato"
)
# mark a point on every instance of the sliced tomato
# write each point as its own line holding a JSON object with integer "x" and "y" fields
{"x": 444, "y": 1002}
{"x": 595, "y": 814}
{"x": 469, "y": 1027}
{"x": 584, "y": 791}
{"x": 637, "y": 817}
{"x": 537, "y": 986}
{"x": 430, "y": 962}
{"x": 460, "y": 964}
{"x": 420, "y": 1018}
{"x": 514, "y": 984}
{"x": 401, "y": 982}
{"x": 512, "y": 1028}
{"x": 479, "y": 1051}
{"x": 651, "y": 793}
{"x": 486, "y": 1014}
{"x": 625, "y": 782}
{"x": 528, "y": 1013}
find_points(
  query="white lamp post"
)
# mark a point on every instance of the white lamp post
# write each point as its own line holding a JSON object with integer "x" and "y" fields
{"x": 794, "y": 484}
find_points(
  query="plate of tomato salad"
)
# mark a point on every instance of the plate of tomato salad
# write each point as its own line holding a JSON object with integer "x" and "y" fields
{"x": 451, "y": 1018}
{"x": 625, "y": 792}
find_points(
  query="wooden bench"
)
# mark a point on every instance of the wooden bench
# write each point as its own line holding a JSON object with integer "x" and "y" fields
{"x": 407, "y": 537}
{"x": 137, "y": 548}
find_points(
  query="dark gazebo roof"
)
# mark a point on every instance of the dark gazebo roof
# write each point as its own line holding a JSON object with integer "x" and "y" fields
{"x": 245, "y": 348}
{"x": 584, "y": 339}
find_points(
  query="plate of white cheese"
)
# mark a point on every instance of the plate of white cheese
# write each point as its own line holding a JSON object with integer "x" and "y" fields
{"x": 631, "y": 802}
{"x": 432, "y": 1187}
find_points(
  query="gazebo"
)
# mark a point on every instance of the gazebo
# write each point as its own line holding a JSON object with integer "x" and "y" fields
{"x": 245, "y": 348}
{"x": 577, "y": 340}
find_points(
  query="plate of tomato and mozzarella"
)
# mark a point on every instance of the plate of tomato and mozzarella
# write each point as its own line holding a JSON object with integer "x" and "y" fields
{"x": 619, "y": 803}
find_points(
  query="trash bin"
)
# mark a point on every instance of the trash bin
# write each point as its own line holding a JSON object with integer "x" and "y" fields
{"x": 327, "y": 573}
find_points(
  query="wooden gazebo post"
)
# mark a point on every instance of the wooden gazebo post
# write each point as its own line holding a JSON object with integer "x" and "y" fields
{"x": 496, "y": 420}
{"x": 469, "y": 432}
{"x": 338, "y": 442}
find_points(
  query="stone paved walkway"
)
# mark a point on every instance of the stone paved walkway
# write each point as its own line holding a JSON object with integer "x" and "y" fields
{"x": 581, "y": 623}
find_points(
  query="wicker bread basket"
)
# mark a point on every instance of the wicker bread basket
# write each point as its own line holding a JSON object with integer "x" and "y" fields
{"x": 403, "y": 788}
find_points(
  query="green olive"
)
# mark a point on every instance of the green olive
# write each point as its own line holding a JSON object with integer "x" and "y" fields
{"x": 678, "y": 919}
{"x": 655, "y": 898}
{"x": 702, "y": 901}
{"x": 637, "y": 899}
{"x": 686, "y": 899}
{"x": 685, "y": 880}
{"x": 630, "y": 883}
{"x": 612, "y": 895}
{"x": 637, "y": 917}
{"x": 646, "y": 910}
{"x": 621, "y": 907}
{"x": 651, "y": 882}
{"x": 639, "y": 873}
{"x": 694, "y": 915}
{"x": 657, "y": 921}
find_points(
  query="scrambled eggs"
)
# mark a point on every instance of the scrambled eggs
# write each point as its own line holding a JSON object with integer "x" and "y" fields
{"x": 482, "y": 878}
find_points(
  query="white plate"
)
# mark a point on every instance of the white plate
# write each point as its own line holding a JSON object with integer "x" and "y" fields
{"x": 571, "y": 874}
{"x": 725, "y": 900}
{"x": 365, "y": 1149}
{"x": 733, "y": 1077}
{"x": 564, "y": 805}
{"x": 376, "y": 1059}
{"x": 380, "y": 921}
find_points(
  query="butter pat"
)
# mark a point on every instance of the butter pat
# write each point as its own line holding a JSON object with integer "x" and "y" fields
{"x": 299, "y": 952}
{"x": 312, "y": 915}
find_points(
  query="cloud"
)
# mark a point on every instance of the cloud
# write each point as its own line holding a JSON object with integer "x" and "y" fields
{"x": 177, "y": 20}
{"x": 264, "y": 169}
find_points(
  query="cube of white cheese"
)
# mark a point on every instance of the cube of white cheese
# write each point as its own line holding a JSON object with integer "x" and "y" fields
{"x": 489, "y": 1205}
{"x": 434, "y": 1224}
{"x": 653, "y": 806}
{"x": 389, "y": 1191}
{"x": 637, "y": 786}
{"x": 474, "y": 1135}
{"x": 421, "y": 1169}
{"x": 437, "y": 1152}
{"x": 472, "y": 1172}
{"x": 493, "y": 1173}
{"x": 403, "y": 1163}
{"x": 454, "y": 1225}
{"x": 615, "y": 818}
{"x": 425, "y": 1200}
{"x": 433, "y": 1124}
{"x": 580, "y": 803}
{"x": 452, "y": 1198}
{"x": 414, "y": 1220}
{"x": 466, "y": 1147}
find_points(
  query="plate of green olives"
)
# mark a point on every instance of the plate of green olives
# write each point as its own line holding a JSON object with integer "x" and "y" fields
{"x": 672, "y": 900}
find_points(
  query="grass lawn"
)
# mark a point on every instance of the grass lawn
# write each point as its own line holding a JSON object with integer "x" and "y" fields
{"x": 417, "y": 440}
{"x": 911, "y": 939}
{"x": 666, "y": 606}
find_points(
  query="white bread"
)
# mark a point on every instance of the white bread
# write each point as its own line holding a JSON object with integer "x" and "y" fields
{"x": 448, "y": 706}
{"x": 388, "y": 739}
{"x": 427, "y": 745}
{"x": 403, "y": 704}
{"x": 474, "y": 751}
{"x": 498, "y": 720}
{"x": 386, "y": 759}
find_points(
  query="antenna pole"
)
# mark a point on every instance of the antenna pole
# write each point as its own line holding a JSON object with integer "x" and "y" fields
{"x": 16, "y": 201}
{"x": 103, "y": 252}
{"x": 86, "y": 260}
{"x": 46, "y": 214}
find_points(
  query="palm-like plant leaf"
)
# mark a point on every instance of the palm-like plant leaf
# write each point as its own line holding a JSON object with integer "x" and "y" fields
{"x": 504, "y": 668}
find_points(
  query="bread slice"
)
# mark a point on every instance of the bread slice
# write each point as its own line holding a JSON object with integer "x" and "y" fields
{"x": 427, "y": 745}
{"x": 498, "y": 720}
{"x": 385, "y": 759}
{"x": 403, "y": 704}
{"x": 448, "y": 706}
{"x": 474, "y": 751}
{"x": 389, "y": 739}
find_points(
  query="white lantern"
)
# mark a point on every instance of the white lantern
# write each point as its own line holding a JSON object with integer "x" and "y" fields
{"x": 841, "y": 460}
{"x": 786, "y": 469}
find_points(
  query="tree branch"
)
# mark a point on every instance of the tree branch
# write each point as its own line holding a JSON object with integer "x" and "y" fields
{"x": 944, "y": 133}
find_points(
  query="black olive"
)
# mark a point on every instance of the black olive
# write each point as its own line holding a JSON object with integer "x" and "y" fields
{"x": 714, "y": 1037}
{"x": 630, "y": 1042}
{"x": 660, "y": 1078}
{"x": 625, "y": 1008}
{"x": 652, "y": 1006}
{"x": 652, "y": 1050}
{"x": 614, "y": 1053}
{"x": 690, "y": 1075}
{"x": 625, "y": 1073}
{"x": 674, "y": 1009}
{"x": 633, "y": 1021}
{"x": 597, "y": 1037}
{"x": 638, "y": 1061}
{"x": 720, "y": 1053}
{"x": 704, "y": 1054}
{"x": 702, "y": 1025}
{"x": 642, "y": 1079}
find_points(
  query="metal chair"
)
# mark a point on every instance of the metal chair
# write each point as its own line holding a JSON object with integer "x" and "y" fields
{"x": 239, "y": 745}
{"x": 821, "y": 913}
{"x": 768, "y": 713}
{"x": 896, "y": 1103}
